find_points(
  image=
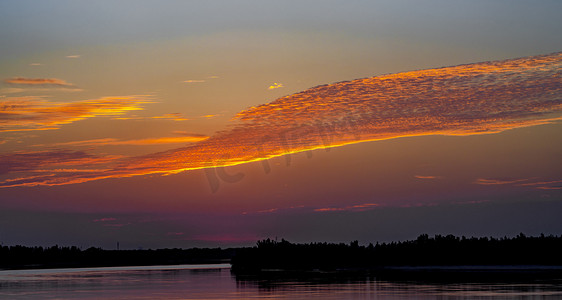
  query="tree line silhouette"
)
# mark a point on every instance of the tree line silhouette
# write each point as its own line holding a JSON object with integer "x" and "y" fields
{"x": 438, "y": 250}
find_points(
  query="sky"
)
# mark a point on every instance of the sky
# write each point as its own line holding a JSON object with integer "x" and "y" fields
{"x": 218, "y": 123}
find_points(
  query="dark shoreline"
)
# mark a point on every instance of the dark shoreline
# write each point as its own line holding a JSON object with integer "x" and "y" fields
{"x": 425, "y": 255}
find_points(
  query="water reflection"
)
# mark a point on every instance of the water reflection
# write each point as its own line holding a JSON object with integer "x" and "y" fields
{"x": 217, "y": 282}
{"x": 416, "y": 285}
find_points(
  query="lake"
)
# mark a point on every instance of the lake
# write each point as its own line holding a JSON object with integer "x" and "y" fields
{"x": 217, "y": 282}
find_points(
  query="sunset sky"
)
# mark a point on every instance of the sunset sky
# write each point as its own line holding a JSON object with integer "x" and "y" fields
{"x": 217, "y": 123}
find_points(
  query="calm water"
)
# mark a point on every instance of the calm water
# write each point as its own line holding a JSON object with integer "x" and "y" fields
{"x": 216, "y": 282}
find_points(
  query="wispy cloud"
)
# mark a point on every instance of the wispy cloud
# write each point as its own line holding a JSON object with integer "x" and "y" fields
{"x": 182, "y": 132}
{"x": 210, "y": 116}
{"x": 171, "y": 116}
{"x": 35, "y": 64}
{"x": 275, "y": 85}
{"x": 468, "y": 99}
{"x": 325, "y": 209}
{"x": 129, "y": 117}
{"x": 484, "y": 181}
{"x": 540, "y": 183}
{"x": 549, "y": 188}
{"x": 116, "y": 225}
{"x": 359, "y": 207}
{"x": 472, "y": 202}
{"x": 38, "y": 161}
{"x": 104, "y": 220}
{"x": 265, "y": 211}
{"x": 194, "y": 81}
{"x": 427, "y": 177}
{"x": 274, "y": 210}
{"x": 38, "y": 81}
{"x": 524, "y": 182}
{"x": 137, "y": 142}
{"x": 28, "y": 113}
{"x": 12, "y": 90}
{"x": 161, "y": 140}
{"x": 73, "y": 56}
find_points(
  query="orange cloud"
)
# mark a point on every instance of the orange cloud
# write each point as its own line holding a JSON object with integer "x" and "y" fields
{"x": 139, "y": 142}
{"x": 27, "y": 113}
{"x": 209, "y": 116}
{"x": 38, "y": 81}
{"x": 194, "y": 81}
{"x": 275, "y": 85}
{"x": 172, "y": 116}
{"x": 328, "y": 209}
{"x": 427, "y": 177}
{"x": 483, "y": 181}
{"x": 470, "y": 99}
{"x": 162, "y": 140}
{"x": 539, "y": 185}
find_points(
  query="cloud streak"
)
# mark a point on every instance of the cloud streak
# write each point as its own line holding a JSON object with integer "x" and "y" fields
{"x": 38, "y": 161}
{"x": 427, "y": 177}
{"x": 38, "y": 82}
{"x": 138, "y": 142}
{"x": 171, "y": 116}
{"x": 470, "y": 99}
{"x": 483, "y": 181}
{"x": 31, "y": 113}
{"x": 104, "y": 220}
{"x": 359, "y": 207}
{"x": 524, "y": 182}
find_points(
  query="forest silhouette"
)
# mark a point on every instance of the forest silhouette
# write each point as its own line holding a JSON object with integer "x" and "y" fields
{"x": 268, "y": 254}
{"x": 438, "y": 250}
